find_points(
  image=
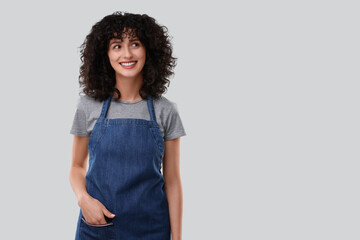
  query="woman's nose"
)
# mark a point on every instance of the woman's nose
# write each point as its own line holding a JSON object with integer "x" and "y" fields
{"x": 127, "y": 52}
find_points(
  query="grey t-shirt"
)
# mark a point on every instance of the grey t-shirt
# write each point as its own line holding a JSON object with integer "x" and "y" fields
{"x": 167, "y": 115}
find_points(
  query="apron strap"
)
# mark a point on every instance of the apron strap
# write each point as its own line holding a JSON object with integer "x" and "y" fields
{"x": 105, "y": 107}
{"x": 151, "y": 107}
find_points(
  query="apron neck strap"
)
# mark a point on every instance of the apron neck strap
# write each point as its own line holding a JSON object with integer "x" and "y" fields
{"x": 105, "y": 107}
{"x": 150, "y": 106}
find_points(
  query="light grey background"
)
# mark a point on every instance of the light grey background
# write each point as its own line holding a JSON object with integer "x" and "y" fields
{"x": 268, "y": 92}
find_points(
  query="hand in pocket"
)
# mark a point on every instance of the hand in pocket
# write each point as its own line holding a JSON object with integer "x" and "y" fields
{"x": 94, "y": 211}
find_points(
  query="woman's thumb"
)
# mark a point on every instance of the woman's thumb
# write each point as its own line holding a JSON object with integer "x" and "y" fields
{"x": 108, "y": 213}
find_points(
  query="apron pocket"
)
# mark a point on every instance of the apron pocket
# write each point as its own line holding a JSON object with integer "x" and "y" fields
{"x": 96, "y": 231}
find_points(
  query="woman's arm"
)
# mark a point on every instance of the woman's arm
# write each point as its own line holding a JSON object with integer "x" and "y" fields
{"x": 78, "y": 167}
{"x": 173, "y": 187}
{"x": 93, "y": 210}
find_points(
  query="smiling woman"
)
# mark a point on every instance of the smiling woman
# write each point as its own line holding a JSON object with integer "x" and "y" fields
{"x": 128, "y": 132}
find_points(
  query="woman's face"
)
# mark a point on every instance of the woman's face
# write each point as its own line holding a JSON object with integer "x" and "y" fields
{"x": 127, "y": 57}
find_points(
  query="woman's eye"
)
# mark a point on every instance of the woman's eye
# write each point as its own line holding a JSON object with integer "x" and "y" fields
{"x": 138, "y": 44}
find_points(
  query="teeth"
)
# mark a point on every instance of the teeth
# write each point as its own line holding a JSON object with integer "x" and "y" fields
{"x": 128, "y": 64}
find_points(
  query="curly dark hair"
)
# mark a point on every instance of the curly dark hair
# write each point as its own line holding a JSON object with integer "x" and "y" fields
{"x": 97, "y": 77}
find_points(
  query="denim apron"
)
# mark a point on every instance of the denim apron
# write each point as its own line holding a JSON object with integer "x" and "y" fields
{"x": 124, "y": 174}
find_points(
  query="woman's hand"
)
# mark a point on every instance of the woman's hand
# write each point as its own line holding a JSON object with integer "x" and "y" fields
{"x": 93, "y": 210}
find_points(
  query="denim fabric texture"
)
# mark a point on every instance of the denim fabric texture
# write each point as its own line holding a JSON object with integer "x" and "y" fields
{"x": 124, "y": 174}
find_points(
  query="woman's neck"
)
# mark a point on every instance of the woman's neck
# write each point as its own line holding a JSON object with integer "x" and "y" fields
{"x": 129, "y": 88}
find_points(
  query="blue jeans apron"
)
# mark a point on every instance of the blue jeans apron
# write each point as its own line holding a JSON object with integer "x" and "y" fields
{"x": 124, "y": 174}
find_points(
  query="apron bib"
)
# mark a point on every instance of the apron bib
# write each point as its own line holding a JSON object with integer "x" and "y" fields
{"x": 124, "y": 174}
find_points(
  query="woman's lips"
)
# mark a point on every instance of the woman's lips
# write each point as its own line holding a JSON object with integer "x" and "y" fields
{"x": 128, "y": 66}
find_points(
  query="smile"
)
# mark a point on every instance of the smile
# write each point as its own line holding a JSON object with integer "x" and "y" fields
{"x": 128, "y": 65}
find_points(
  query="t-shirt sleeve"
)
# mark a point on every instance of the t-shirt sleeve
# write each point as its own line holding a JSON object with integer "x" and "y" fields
{"x": 173, "y": 125}
{"x": 79, "y": 122}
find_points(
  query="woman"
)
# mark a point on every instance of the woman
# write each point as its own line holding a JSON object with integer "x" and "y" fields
{"x": 129, "y": 131}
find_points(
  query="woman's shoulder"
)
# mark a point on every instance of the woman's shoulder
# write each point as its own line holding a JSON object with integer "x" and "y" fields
{"x": 170, "y": 119}
{"x": 88, "y": 99}
{"x": 87, "y": 103}
{"x": 164, "y": 104}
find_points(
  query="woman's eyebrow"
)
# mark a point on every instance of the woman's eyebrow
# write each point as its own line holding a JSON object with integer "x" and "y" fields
{"x": 119, "y": 41}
